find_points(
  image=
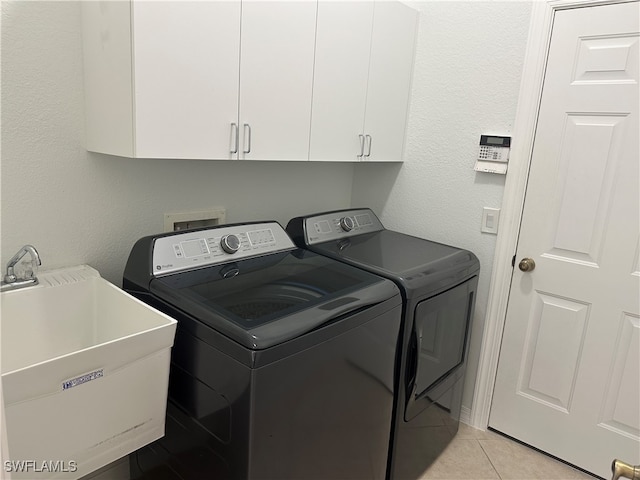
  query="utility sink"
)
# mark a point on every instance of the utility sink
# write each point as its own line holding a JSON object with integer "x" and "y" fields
{"x": 85, "y": 370}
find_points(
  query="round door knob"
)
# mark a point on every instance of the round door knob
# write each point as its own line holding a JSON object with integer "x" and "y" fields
{"x": 230, "y": 243}
{"x": 347, "y": 224}
{"x": 527, "y": 264}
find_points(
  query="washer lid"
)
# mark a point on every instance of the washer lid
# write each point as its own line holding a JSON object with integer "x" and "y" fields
{"x": 417, "y": 264}
{"x": 263, "y": 301}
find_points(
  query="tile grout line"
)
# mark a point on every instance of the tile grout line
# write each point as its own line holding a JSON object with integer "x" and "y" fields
{"x": 488, "y": 458}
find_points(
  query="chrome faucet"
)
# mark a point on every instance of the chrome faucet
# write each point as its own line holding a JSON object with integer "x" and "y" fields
{"x": 11, "y": 281}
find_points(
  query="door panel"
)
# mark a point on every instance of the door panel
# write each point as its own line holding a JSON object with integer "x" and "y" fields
{"x": 554, "y": 339}
{"x": 606, "y": 59}
{"x": 276, "y": 77}
{"x": 187, "y": 61}
{"x": 588, "y": 163}
{"x": 390, "y": 72}
{"x": 568, "y": 379}
{"x": 343, "y": 42}
{"x": 619, "y": 412}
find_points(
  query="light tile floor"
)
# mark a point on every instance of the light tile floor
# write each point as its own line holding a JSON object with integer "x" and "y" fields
{"x": 471, "y": 455}
{"x": 477, "y": 455}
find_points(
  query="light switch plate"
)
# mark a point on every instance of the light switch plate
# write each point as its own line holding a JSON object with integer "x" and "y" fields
{"x": 490, "y": 220}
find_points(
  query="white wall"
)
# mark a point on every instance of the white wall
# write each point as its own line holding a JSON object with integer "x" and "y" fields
{"x": 466, "y": 81}
{"x": 78, "y": 207}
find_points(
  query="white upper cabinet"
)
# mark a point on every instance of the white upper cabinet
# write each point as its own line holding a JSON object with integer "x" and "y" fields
{"x": 166, "y": 79}
{"x": 362, "y": 80}
{"x": 108, "y": 91}
{"x": 186, "y": 61}
{"x": 161, "y": 78}
{"x": 343, "y": 44}
{"x": 250, "y": 79}
{"x": 390, "y": 74}
{"x": 276, "y": 79}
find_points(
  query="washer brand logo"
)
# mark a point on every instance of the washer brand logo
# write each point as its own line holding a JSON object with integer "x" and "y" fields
{"x": 74, "y": 382}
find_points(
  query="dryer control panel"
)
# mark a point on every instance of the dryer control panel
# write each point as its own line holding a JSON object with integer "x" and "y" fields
{"x": 199, "y": 248}
{"x": 341, "y": 224}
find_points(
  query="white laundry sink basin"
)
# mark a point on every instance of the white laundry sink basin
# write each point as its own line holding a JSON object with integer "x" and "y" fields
{"x": 84, "y": 374}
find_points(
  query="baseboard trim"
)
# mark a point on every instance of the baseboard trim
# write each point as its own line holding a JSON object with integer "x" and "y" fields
{"x": 465, "y": 415}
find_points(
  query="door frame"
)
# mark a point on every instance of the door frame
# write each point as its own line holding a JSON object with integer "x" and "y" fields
{"x": 533, "y": 72}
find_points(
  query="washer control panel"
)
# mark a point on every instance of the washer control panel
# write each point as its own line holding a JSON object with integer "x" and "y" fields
{"x": 336, "y": 225}
{"x": 189, "y": 250}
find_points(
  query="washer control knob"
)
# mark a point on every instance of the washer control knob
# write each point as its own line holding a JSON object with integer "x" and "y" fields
{"x": 347, "y": 224}
{"x": 230, "y": 243}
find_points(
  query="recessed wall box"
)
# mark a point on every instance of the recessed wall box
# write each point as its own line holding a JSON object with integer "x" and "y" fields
{"x": 174, "y": 222}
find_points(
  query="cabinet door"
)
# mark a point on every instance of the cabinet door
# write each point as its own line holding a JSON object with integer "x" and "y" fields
{"x": 186, "y": 62}
{"x": 276, "y": 75}
{"x": 390, "y": 72}
{"x": 108, "y": 94}
{"x": 343, "y": 41}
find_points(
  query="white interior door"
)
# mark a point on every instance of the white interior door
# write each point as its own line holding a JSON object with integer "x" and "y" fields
{"x": 568, "y": 378}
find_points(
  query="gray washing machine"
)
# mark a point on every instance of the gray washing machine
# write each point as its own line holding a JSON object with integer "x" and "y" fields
{"x": 283, "y": 362}
{"x": 438, "y": 284}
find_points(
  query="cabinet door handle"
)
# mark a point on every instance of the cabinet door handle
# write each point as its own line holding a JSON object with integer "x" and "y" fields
{"x": 247, "y": 130}
{"x": 236, "y": 137}
{"x": 368, "y": 138}
{"x": 361, "y": 137}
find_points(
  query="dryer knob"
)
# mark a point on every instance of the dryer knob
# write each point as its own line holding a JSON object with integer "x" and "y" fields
{"x": 347, "y": 224}
{"x": 230, "y": 243}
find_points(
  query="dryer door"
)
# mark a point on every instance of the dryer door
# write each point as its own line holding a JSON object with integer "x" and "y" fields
{"x": 438, "y": 345}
